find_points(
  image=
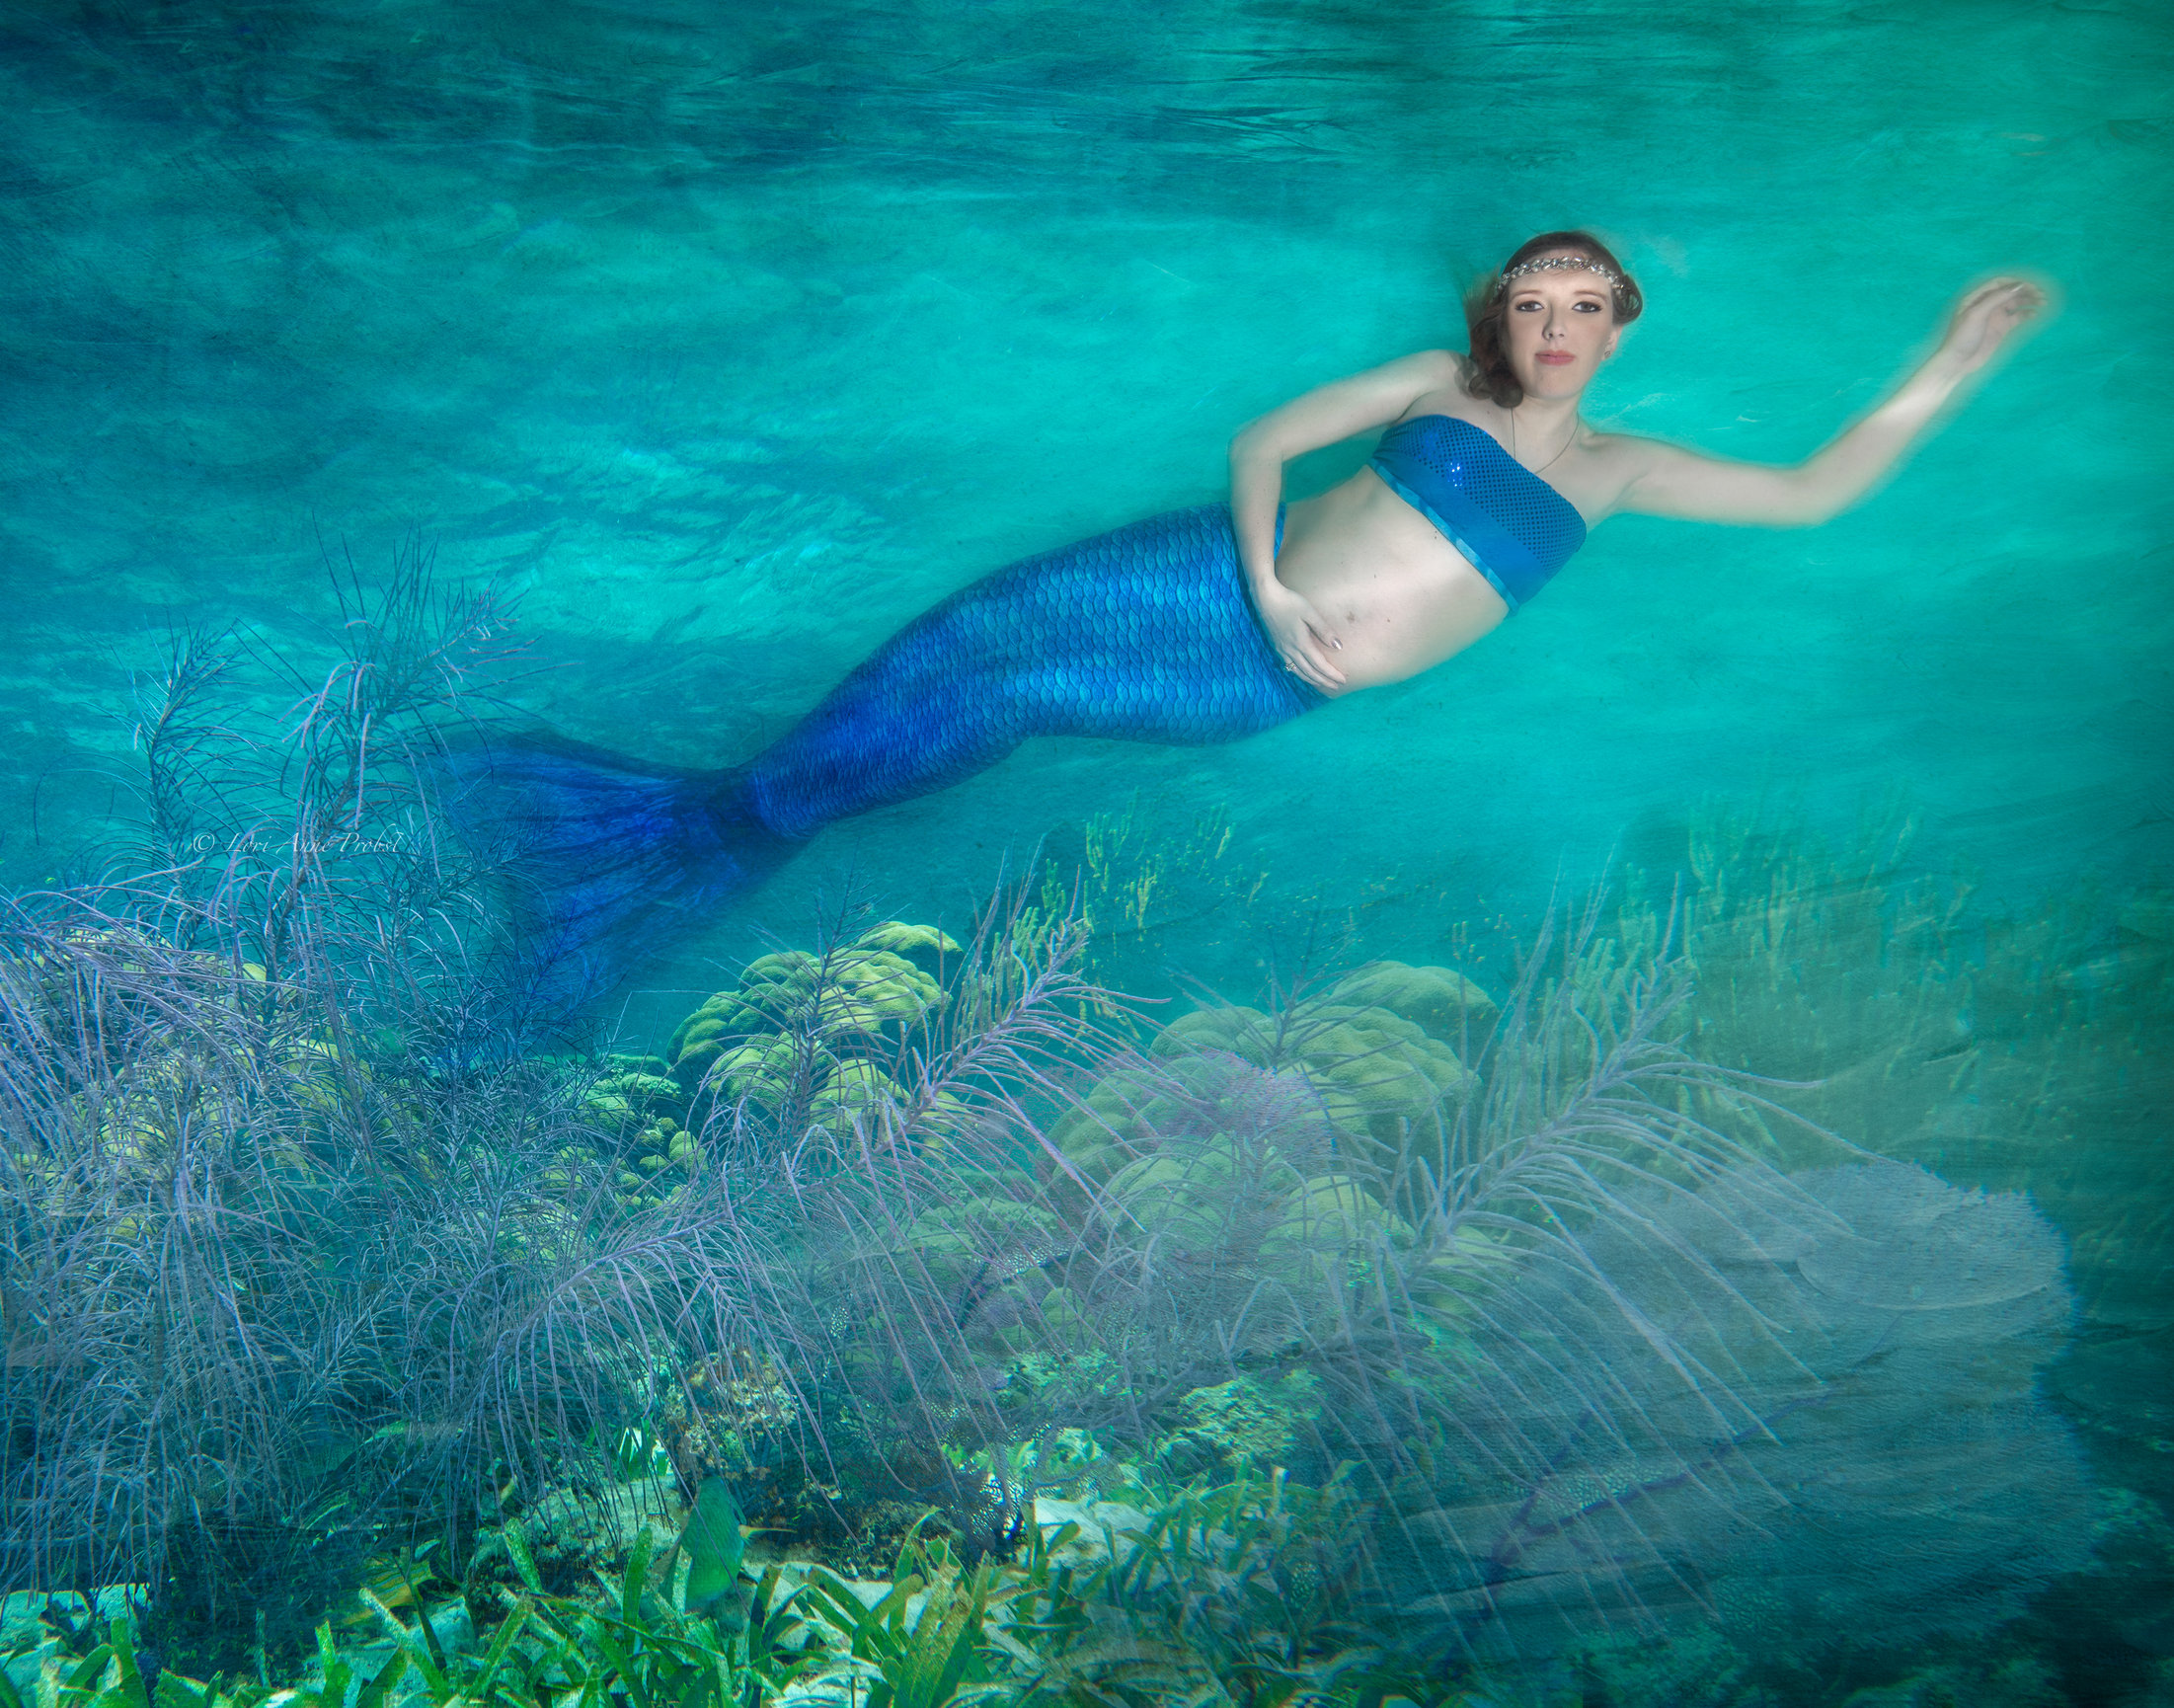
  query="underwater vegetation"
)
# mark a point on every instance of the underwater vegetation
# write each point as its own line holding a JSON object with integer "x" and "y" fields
{"x": 1216, "y": 1594}
{"x": 268, "y": 1296}
{"x": 1573, "y": 1341}
{"x": 290, "y": 1259}
{"x": 2028, "y": 1053}
{"x": 1397, "y": 1336}
{"x": 803, "y": 1037}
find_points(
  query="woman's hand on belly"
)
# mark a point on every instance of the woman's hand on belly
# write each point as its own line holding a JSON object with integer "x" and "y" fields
{"x": 1401, "y": 625}
{"x": 1302, "y": 637}
{"x": 1397, "y": 595}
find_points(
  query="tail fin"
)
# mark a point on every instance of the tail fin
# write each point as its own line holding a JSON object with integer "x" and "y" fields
{"x": 603, "y": 857}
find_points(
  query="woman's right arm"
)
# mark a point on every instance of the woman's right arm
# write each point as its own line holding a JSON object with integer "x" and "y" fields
{"x": 1325, "y": 415}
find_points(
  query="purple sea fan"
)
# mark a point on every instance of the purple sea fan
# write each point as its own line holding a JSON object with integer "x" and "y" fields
{"x": 1795, "y": 1424}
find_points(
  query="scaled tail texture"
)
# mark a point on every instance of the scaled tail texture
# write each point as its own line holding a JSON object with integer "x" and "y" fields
{"x": 602, "y": 857}
{"x": 1142, "y": 634}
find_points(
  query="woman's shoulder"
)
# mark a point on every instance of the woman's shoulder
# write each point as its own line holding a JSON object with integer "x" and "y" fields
{"x": 1437, "y": 382}
{"x": 1617, "y": 449}
{"x": 1609, "y": 465}
{"x": 1626, "y": 456}
{"x": 1434, "y": 369}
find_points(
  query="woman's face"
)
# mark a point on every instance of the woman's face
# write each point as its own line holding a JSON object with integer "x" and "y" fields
{"x": 1557, "y": 328}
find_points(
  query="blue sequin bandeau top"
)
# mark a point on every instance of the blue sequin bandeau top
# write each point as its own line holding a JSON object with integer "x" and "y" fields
{"x": 1517, "y": 529}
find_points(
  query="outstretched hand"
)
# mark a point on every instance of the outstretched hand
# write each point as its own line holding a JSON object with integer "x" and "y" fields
{"x": 1982, "y": 320}
{"x": 1303, "y": 638}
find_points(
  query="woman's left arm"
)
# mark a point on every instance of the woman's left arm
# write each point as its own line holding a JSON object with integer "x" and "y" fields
{"x": 1663, "y": 480}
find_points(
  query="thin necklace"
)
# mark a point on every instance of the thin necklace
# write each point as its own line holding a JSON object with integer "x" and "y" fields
{"x": 1551, "y": 461}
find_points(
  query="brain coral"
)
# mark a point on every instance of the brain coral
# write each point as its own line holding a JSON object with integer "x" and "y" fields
{"x": 1376, "y": 1049}
{"x": 805, "y": 1029}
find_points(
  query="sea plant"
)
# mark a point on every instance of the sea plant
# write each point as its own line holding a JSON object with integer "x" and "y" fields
{"x": 1249, "y": 1583}
{"x": 1581, "y": 1274}
{"x": 1134, "y": 875}
{"x": 887, "y": 1412}
{"x": 624, "y": 1644}
{"x": 1179, "y": 1608}
{"x": 181, "y": 1364}
{"x": 801, "y": 1043}
{"x": 2010, "y": 1048}
{"x": 283, "y": 822}
{"x": 352, "y": 1268}
{"x": 943, "y": 1653}
{"x": 292, "y": 1269}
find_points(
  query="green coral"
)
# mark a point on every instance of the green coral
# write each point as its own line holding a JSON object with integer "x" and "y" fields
{"x": 957, "y": 1242}
{"x": 1126, "y": 1113}
{"x": 800, "y": 1033}
{"x": 1379, "y": 1049}
{"x": 639, "y": 1143}
{"x": 1388, "y": 1082}
{"x": 1326, "y": 1214}
{"x": 1188, "y": 1196}
{"x": 1389, "y": 1090}
{"x": 637, "y": 1095}
{"x": 1240, "y": 1423}
{"x": 767, "y": 1066}
{"x": 1440, "y": 1001}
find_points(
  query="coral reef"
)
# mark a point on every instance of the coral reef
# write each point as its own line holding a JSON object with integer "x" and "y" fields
{"x": 805, "y": 1040}
{"x": 324, "y": 1300}
{"x": 1571, "y": 1339}
{"x": 1507, "y": 1334}
{"x": 1877, "y": 1460}
{"x": 1240, "y": 1423}
{"x": 1571, "y": 1329}
{"x": 1377, "y": 1056}
{"x": 2024, "y": 1054}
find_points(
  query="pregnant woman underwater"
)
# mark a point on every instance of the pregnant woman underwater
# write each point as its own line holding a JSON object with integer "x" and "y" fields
{"x": 1202, "y": 625}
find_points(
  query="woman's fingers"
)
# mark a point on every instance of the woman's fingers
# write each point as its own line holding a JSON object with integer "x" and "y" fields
{"x": 2005, "y": 295}
{"x": 1302, "y": 662}
{"x": 1985, "y": 293}
{"x": 1313, "y": 665}
{"x": 1985, "y": 317}
{"x": 1303, "y": 641}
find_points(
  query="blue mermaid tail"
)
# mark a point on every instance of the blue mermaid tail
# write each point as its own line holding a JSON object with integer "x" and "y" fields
{"x": 1142, "y": 634}
{"x": 601, "y": 857}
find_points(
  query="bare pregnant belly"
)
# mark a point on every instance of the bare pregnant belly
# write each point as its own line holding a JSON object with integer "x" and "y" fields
{"x": 1398, "y": 595}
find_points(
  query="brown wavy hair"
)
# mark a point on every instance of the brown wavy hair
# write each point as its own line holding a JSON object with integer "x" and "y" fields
{"x": 1490, "y": 374}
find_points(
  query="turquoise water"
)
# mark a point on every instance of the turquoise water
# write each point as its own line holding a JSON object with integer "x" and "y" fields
{"x": 726, "y": 342}
{"x": 731, "y": 347}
